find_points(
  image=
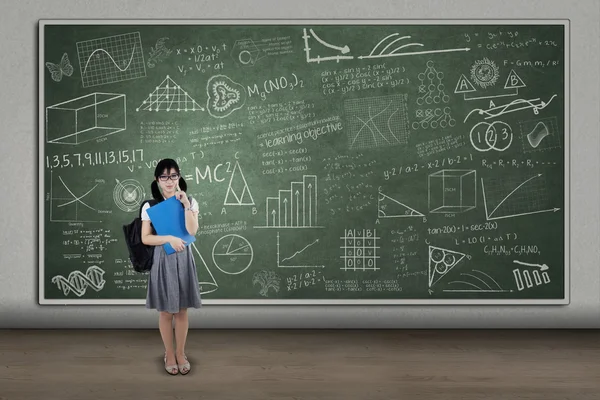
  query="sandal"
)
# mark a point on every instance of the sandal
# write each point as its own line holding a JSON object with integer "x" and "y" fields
{"x": 185, "y": 366}
{"x": 170, "y": 368}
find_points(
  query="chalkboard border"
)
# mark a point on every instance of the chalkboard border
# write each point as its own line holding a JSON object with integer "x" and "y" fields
{"x": 565, "y": 22}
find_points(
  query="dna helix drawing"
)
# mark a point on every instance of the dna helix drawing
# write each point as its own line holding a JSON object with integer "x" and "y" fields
{"x": 78, "y": 282}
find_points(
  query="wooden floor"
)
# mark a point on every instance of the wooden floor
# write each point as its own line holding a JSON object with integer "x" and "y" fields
{"x": 301, "y": 365}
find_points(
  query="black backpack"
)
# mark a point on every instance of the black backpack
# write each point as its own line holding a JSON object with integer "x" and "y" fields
{"x": 140, "y": 254}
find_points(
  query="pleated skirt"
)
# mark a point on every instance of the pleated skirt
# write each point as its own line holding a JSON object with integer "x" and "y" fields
{"x": 173, "y": 281}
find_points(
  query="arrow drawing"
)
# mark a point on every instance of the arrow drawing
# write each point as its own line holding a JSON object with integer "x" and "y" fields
{"x": 514, "y": 190}
{"x": 543, "y": 267}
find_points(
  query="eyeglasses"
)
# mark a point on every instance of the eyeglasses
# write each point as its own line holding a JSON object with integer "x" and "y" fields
{"x": 173, "y": 177}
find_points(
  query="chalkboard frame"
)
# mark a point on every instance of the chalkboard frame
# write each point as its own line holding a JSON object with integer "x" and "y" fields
{"x": 42, "y": 300}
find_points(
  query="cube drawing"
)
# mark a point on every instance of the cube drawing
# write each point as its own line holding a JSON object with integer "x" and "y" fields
{"x": 85, "y": 118}
{"x": 452, "y": 191}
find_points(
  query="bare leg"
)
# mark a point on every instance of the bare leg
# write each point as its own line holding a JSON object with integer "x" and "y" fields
{"x": 181, "y": 331}
{"x": 165, "y": 325}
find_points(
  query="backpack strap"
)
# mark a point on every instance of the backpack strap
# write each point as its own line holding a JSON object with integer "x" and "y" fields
{"x": 151, "y": 202}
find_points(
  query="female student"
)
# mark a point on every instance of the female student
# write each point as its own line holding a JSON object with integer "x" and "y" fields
{"x": 173, "y": 280}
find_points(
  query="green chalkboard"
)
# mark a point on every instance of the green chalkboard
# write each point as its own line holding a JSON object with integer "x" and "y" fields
{"x": 369, "y": 162}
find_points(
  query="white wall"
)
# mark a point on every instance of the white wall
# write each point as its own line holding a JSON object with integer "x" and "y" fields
{"x": 18, "y": 166}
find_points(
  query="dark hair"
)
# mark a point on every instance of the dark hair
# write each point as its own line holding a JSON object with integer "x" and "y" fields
{"x": 165, "y": 164}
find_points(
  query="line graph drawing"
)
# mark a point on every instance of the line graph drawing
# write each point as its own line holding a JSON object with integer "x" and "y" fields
{"x": 66, "y": 206}
{"x": 111, "y": 59}
{"x": 484, "y": 76}
{"x": 395, "y": 52}
{"x": 206, "y": 286}
{"x": 477, "y": 282}
{"x": 377, "y": 121}
{"x": 360, "y": 250}
{"x": 232, "y": 254}
{"x": 523, "y": 277}
{"x": 78, "y": 282}
{"x": 503, "y": 109}
{"x": 517, "y": 197}
{"x": 128, "y": 194}
{"x": 167, "y": 96}
{"x": 442, "y": 261}
{"x": 287, "y": 262}
{"x": 294, "y": 208}
{"x": 388, "y": 207}
{"x": 540, "y": 134}
{"x": 307, "y": 49}
{"x": 386, "y": 50}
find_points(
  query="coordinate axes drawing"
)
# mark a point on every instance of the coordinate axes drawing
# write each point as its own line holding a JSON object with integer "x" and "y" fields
{"x": 390, "y": 46}
{"x": 66, "y": 206}
{"x": 288, "y": 262}
{"x": 515, "y": 197}
{"x": 111, "y": 59}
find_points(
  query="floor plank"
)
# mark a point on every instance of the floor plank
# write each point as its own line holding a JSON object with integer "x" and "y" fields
{"x": 303, "y": 364}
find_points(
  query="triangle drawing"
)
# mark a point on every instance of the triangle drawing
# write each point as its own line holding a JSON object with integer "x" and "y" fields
{"x": 464, "y": 85}
{"x": 513, "y": 81}
{"x": 169, "y": 96}
{"x": 206, "y": 286}
{"x": 391, "y": 208}
{"x": 238, "y": 192}
{"x": 441, "y": 261}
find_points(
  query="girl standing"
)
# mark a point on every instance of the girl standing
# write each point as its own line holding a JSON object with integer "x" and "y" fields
{"x": 173, "y": 280}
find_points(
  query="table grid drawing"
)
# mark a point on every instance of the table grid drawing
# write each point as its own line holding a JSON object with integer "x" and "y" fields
{"x": 111, "y": 59}
{"x": 360, "y": 251}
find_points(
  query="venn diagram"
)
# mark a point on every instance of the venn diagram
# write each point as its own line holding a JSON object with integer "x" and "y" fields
{"x": 495, "y": 136}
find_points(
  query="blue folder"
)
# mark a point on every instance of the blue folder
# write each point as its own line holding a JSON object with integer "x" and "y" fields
{"x": 168, "y": 218}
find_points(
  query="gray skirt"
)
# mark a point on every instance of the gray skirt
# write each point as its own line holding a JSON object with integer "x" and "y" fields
{"x": 173, "y": 281}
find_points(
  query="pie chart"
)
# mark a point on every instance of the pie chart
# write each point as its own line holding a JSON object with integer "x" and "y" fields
{"x": 232, "y": 254}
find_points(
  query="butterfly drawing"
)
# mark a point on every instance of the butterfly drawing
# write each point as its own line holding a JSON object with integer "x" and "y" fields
{"x": 58, "y": 70}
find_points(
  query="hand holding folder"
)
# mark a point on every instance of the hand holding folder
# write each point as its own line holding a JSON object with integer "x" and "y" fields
{"x": 168, "y": 218}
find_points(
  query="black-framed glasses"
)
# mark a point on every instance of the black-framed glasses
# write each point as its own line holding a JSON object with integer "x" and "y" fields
{"x": 173, "y": 177}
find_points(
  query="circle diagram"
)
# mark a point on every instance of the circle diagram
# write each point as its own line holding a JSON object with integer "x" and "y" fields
{"x": 495, "y": 136}
{"x": 128, "y": 195}
{"x": 232, "y": 254}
